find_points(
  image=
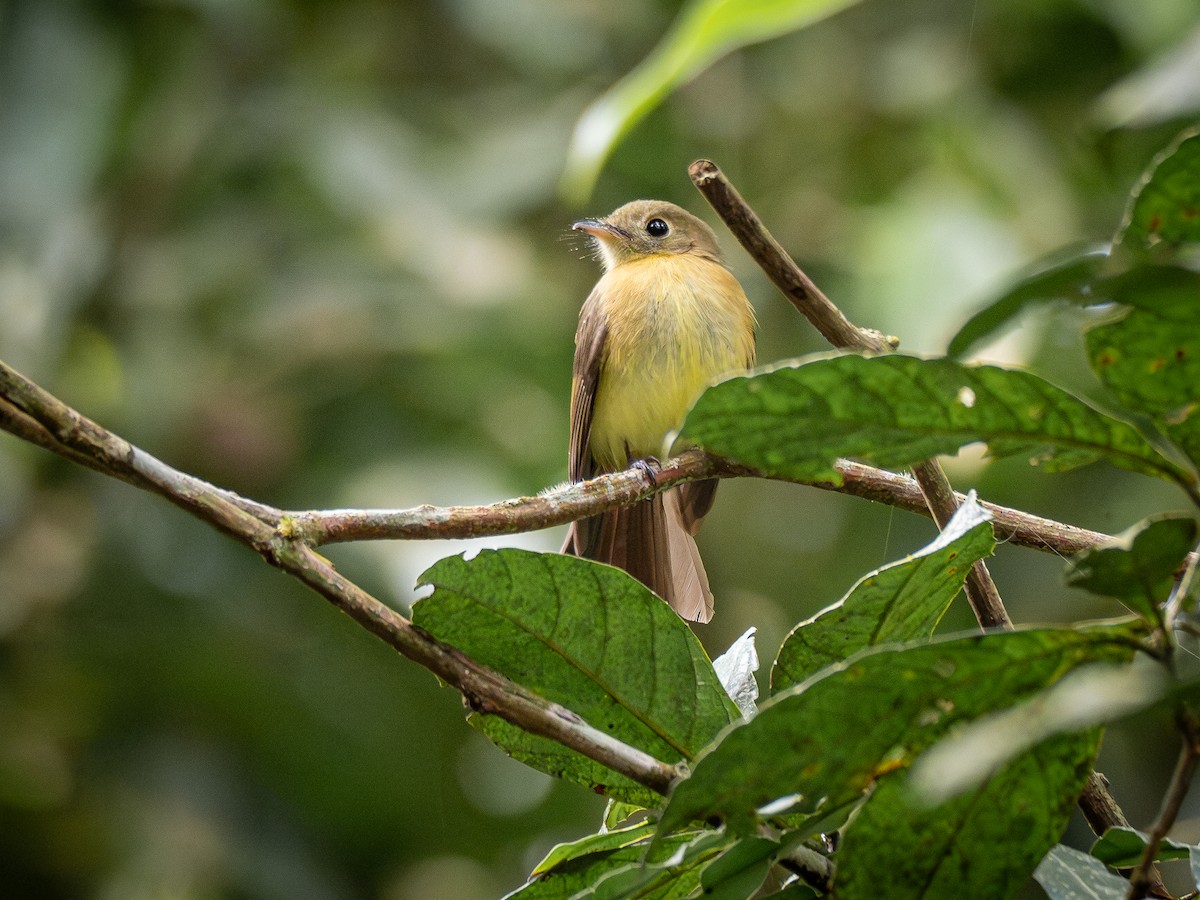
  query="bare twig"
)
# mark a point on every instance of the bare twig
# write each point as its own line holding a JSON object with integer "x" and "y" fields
{"x": 780, "y": 267}
{"x": 1145, "y": 878}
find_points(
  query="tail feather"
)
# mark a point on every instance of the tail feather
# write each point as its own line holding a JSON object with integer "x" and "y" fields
{"x": 653, "y": 542}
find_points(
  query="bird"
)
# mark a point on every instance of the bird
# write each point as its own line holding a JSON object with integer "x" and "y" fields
{"x": 666, "y": 319}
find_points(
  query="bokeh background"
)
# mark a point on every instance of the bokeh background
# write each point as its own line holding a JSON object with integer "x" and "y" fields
{"x": 316, "y": 252}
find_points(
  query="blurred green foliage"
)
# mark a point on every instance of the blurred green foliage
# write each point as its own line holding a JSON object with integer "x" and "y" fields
{"x": 313, "y": 251}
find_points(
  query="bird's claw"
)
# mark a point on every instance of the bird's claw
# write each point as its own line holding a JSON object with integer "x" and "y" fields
{"x": 650, "y": 467}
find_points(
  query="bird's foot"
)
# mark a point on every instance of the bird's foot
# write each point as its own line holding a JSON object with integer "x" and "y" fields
{"x": 650, "y": 467}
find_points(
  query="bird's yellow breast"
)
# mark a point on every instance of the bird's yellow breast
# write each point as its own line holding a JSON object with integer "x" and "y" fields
{"x": 675, "y": 323}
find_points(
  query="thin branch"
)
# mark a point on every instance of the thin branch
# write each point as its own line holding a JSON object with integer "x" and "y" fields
{"x": 568, "y": 502}
{"x": 74, "y": 435}
{"x": 1142, "y": 880}
{"x": 555, "y": 506}
{"x": 780, "y": 267}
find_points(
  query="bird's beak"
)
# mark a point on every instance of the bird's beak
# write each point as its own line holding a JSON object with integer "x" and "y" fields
{"x": 600, "y": 229}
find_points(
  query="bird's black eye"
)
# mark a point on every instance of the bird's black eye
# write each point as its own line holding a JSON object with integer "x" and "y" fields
{"x": 657, "y": 228}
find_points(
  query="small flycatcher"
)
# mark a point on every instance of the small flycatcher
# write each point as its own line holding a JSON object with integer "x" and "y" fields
{"x": 664, "y": 321}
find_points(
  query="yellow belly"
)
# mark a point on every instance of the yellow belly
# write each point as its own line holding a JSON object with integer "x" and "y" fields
{"x": 675, "y": 325}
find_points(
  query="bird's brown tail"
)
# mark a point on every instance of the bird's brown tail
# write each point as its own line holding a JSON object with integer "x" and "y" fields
{"x": 653, "y": 541}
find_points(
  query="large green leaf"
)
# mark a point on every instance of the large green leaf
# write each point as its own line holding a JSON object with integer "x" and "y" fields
{"x": 897, "y": 603}
{"x": 1149, "y": 353}
{"x": 587, "y": 636}
{"x": 795, "y": 421}
{"x": 1165, "y": 208}
{"x": 828, "y": 738}
{"x": 705, "y": 31}
{"x": 1138, "y": 566}
{"x": 985, "y": 843}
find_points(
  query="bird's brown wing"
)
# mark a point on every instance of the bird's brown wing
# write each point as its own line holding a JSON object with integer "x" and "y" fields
{"x": 589, "y": 348}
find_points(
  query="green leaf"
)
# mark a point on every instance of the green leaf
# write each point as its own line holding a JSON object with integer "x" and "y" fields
{"x": 1123, "y": 848}
{"x": 1069, "y": 279}
{"x": 1070, "y": 874}
{"x": 1149, "y": 354}
{"x": 594, "y": 843}
{"x": 1138, "y": 566}
{"x": 617, "y": 812}
{"x": 671, "y": 875}
{"x": 1089, "y": 696}
{"x": 586, "y": 864}
{"x": 795, "y": 421}
{"x": 587, "y": 636}
{"x": 829, "y": 738}
{"x": 1165, "y": 208}
{"x": 897, "y": 603}
{"x": 982, "y": 844}
{"x": 705, "y": 31}
{"x": 739, "y": 871}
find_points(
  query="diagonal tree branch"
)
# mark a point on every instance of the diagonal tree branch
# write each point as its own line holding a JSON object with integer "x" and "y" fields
{"x": 34, "y": 413}
{"x": 1144, "y": 879}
